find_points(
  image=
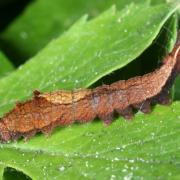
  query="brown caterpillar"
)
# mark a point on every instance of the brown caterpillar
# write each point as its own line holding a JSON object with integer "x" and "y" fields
{"x": 45, "y": 111}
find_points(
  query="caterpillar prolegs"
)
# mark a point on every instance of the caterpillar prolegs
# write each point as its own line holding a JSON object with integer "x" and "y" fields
{"x": 45, "y": 111}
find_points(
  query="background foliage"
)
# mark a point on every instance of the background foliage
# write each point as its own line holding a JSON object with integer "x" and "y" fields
{"x": 48, "y": 45}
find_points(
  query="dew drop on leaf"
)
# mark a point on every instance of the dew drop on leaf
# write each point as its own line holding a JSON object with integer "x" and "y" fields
{"x": 119, "y": 20}
{"x": 23, "y": 35}
{"x": 62, "y": 168}
{"x": 113, "y": 177}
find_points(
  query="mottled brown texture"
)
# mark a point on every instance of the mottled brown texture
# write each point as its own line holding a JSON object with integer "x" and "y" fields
{"x": 45, "y": 111}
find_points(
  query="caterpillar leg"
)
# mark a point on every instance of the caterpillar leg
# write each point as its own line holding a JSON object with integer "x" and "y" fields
{"x": 164, "y": 99}
{"x": 15, "y": 136}
{"x": 144, "y": 107}
{"x": 29, "y": 135}
{"x": 107, "y": 119}
{"x": 48, "y": 129}
{"x": 127, "y": 113}
{"x": 36, "y": 93}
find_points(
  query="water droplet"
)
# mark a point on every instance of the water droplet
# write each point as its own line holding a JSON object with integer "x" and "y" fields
{"x": 87, "y": 164}
{"x": 85, "y": 174}
{"x": 62, "y": 168}
{"x": 169, "y": 174}
{"x": 119, "y": 20}
{"x": 123, "y": 146}
{"x": 76, "y": 81}
{"x": 128, "y": 176}
{"x": 152, "y": 134}
{"x": 113, "y": 176}
{"x": 124, "y": 170}
{"x": 23, "y": 35}
{"x": 116, "y": 159}
{"x": 131, "y": 160}
{"x": 148, "y": 23}
{"x": 66, "y": 155}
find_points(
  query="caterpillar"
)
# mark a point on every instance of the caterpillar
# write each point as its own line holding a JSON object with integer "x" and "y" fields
{"x": 45, "y": 111}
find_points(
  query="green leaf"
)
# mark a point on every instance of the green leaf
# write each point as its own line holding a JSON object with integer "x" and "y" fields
{"x": 76, "y": 60}
{"x": 37, "y": 26}
{"x": 5, "y": 66}
{"x": 150, "y": 58}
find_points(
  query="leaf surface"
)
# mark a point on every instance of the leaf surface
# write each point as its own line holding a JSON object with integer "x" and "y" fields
{"x": 5, "y": 66}
{"x": 38, "y": 25}
{"x": 87, "y": 52}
